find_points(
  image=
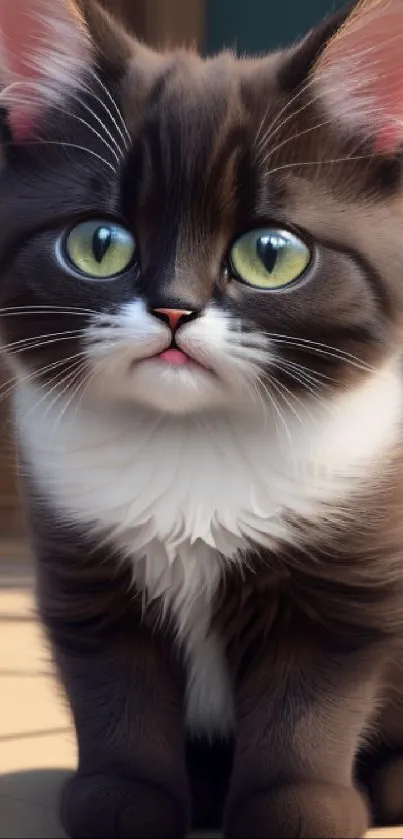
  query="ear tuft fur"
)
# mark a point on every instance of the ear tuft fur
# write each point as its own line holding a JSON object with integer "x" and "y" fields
{"x": 45, "y": 50}
{"x": 359, "y": 74}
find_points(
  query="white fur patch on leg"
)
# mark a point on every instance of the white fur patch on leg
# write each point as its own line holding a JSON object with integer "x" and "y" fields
{"x": 209, "y": 698}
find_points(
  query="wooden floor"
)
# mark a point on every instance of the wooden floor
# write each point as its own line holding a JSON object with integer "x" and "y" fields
{"x": 37, "y": 747}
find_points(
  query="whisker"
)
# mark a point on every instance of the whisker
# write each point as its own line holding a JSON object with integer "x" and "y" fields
{"x": 7, "y": 387}
{"x": 271, "y": 397}
{"x": 95, "y": 370}
{"x": 269, "y": 135}
{"x": 303, "y": 378}
{"x": 311, "y": 129}
{"x": 124, "y": 129}
{"x": 77, "y": 374}
{"x": 294, "y": 138}
{"x": 337, "y": 356}
{"x": 40, "y": 310}
{"x": 66, "y": 145}
{"x": 24, "y": 98}
{"x": 253, "y": 387}
{"x": 114, "y": 153}
{"x": 316, "y": 377}
{"x": 41, "y": 340}
{"x": 39, "y": 344}
{"x": 266, "y": 140}
{"x": 307, "y": 344}
{"x": 74, "y": 393}
{"x": 306, "y": 384}
{"x": 119, "y": 152}
{"x": 282, "y": 390}
{"x": 114, "y": 149}
{"x": 50, "y": 387}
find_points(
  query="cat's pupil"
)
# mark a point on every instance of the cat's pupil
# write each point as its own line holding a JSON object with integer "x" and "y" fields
{"x": 268, "y": 251}
{"x": 100, "y": 242}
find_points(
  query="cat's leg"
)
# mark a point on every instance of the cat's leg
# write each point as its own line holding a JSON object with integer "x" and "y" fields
{"x": 299, "y": 724}
{"x": 383, "y": 763}
{"x": 131, "y": 779}
{"x": 125, "y": 689}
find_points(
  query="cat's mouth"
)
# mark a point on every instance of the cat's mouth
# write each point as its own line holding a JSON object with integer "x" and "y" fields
{"x": 175, "y": 357}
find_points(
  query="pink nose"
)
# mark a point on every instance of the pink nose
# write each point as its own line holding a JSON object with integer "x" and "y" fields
{"x": 173, "y": 317}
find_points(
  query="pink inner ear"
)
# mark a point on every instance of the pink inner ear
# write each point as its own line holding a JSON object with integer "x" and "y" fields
{"x": 23, "y": 32}
{"x": 22, "y": 125}
{"x": 366, "y": 60}
{"x": 42, "y": 41}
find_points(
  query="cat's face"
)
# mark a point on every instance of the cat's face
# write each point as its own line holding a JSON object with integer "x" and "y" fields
{"x": 193, "y": 235}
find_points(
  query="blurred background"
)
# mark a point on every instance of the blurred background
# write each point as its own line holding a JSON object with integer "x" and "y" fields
{"x": 245, "y": 26}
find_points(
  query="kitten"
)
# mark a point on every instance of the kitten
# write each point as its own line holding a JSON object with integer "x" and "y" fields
{"x": 202, "y": 308}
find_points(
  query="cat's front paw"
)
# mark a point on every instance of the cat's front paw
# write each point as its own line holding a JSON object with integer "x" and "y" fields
{"x": 115, "y": 808}
{"x": 317, "y": 811}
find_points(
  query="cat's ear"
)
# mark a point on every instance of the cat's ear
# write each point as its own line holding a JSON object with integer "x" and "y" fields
{"x": 299, "y": 61}
{"x": 47, "y": 48}
{"x": 44, "y": 51}
{"x": 359, "y": 74}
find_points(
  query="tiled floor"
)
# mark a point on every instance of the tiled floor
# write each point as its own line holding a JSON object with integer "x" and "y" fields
{"x": 37, "y": 749}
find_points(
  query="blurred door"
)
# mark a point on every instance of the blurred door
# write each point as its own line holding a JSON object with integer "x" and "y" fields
{"x": 163, "y": 22}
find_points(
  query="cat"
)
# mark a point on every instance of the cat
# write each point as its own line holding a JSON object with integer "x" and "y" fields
{"x": 201, "y": 302}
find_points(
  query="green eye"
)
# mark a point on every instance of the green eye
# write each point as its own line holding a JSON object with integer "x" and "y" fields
{"x": 269, "y": 258}
{"x": 100, "y": 249}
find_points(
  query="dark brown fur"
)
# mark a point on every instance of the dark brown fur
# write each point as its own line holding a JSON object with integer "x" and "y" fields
{"x": 309, "y": 632}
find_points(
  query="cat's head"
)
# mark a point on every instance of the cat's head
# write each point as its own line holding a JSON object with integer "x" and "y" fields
{"x": 192, "y": 234}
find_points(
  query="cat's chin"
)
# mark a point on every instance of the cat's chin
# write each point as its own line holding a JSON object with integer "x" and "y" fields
{"x": 175, "y": 390}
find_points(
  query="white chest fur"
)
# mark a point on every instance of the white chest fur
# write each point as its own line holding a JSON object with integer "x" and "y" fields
{"x": 182, "y": 497}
